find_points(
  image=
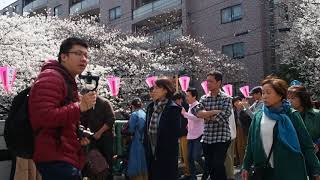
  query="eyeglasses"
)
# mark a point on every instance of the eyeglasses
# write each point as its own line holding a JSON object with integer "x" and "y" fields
{"x": 79, "y": 53}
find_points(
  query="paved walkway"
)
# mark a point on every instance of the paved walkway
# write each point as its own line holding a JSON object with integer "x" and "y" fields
{"x": 237, "y": 176}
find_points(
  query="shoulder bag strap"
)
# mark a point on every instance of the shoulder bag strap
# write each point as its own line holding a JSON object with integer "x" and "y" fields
{"x": 275, "y": 133}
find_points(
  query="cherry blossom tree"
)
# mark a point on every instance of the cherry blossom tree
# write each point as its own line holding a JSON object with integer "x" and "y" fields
{"x": 301, "y": 48}
{"x": 26, "y": 42}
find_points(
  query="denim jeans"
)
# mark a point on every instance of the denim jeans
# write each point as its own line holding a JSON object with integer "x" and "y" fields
{"x": 195, "y": 151}
{"x": 58, "y": 170}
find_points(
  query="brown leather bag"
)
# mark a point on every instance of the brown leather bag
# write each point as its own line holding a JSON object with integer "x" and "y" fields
{"x": 96, "y": 162}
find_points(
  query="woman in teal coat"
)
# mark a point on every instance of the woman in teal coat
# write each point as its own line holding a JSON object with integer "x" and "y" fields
{"x": 279, "y": 126}
{"x": 301, "y": 101}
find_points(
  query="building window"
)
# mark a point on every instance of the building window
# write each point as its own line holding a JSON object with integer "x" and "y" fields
{"x": 57, "y": 11}
{"x": 26, "y": 2}
{"x": 230, "y": 14}
{"x": 284, "y": 11}
{"x": 114, "y": 13}
{"x": 6, "y": 13}
{"x": 235, "y": 51}
{"x": 16, "y": 9}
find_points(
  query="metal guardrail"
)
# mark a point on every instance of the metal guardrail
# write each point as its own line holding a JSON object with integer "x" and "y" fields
{"x": 34, "y": 4}
{"x": 118, "y": 125}
{"x": 86, "y": 4}
{"x": 154, "y": 6}
{"x": 167, "y": 37}
{"x": 4, "y": 154}
{"x": 5, "y": 163}
{"x": 2, "y": 142}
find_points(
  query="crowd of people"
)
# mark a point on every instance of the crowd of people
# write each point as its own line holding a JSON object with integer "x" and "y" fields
{"x": 275, "y": 137}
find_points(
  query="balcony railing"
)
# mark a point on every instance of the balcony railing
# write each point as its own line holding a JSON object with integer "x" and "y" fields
{"x": 166, "y": 37}
{"x": 35, "y": 5}
{"x": 86, "y": 4}
{"x": 155, "y": 6}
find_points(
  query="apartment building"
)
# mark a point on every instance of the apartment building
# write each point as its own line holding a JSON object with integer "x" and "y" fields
{"x": 15, "y": 7}
{"x": 243, "y": 30}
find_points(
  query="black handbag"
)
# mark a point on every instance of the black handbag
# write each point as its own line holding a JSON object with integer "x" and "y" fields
{"x": 261, "y": 172}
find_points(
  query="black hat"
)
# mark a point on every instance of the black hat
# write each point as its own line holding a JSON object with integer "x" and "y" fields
{"x": 255, "y": 90}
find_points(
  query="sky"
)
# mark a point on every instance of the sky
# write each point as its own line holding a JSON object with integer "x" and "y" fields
{"x": 4, "y": 3}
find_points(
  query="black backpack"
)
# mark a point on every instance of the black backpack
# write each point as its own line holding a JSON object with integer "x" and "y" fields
{"x": 18, "y": 132}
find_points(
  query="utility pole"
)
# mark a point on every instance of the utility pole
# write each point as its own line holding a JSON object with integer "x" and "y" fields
{"x": 272, "y": 37}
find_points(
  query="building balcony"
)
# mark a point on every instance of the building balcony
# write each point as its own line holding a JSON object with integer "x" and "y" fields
{"x": 35, "y": 5}
{"x": 166, "y": 37}
{"x": 84, "y": 7}
{"x": 155, "y": 7}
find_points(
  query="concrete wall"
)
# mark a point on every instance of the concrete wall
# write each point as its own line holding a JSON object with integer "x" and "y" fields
{"x": 205, "y": 22}
{"x": 64, "y": 7}
{"x": 124, "y": 23}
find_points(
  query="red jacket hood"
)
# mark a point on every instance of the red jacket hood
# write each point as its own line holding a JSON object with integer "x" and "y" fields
{"x": 54, "y": 64}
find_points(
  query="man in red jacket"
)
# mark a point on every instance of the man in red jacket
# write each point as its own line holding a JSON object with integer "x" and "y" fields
{"x": 55, "y": 116}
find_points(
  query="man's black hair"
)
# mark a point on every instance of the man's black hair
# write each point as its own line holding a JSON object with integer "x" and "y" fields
{"x": 136, "y": 102}
{"x": 193, "y": 92}
{"x": 255, "y": 90}
{"x": 216, "y": 74}
{"x": 68, "y": 43}
{"x": 178, "y": 95}
{"x": 235, "y": 99}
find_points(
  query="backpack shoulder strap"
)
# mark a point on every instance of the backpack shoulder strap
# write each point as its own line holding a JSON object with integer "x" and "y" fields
{"x": 66, "y": 101}
{"x": 69, "y": 97}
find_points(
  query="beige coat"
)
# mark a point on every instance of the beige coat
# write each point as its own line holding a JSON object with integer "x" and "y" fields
{"x": 26, "y": 170}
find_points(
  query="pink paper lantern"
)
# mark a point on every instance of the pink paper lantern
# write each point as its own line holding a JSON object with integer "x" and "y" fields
{"x": 245, "y": 91}
{"x": 184, "y": 82}
{"x": 8, "y": 76}
{"x": 1, "y": 70}
{"x": 114, "y": 85}
{"x": 151, "y": 81}
{"x": 204, "y": 85}
{"x": 228, "y": 89}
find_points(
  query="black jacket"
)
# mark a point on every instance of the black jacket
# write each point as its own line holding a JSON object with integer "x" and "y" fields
{"x": 184, "y": 122}
{"x": 163, "y": 165}
{"x": 101, "y": 114}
